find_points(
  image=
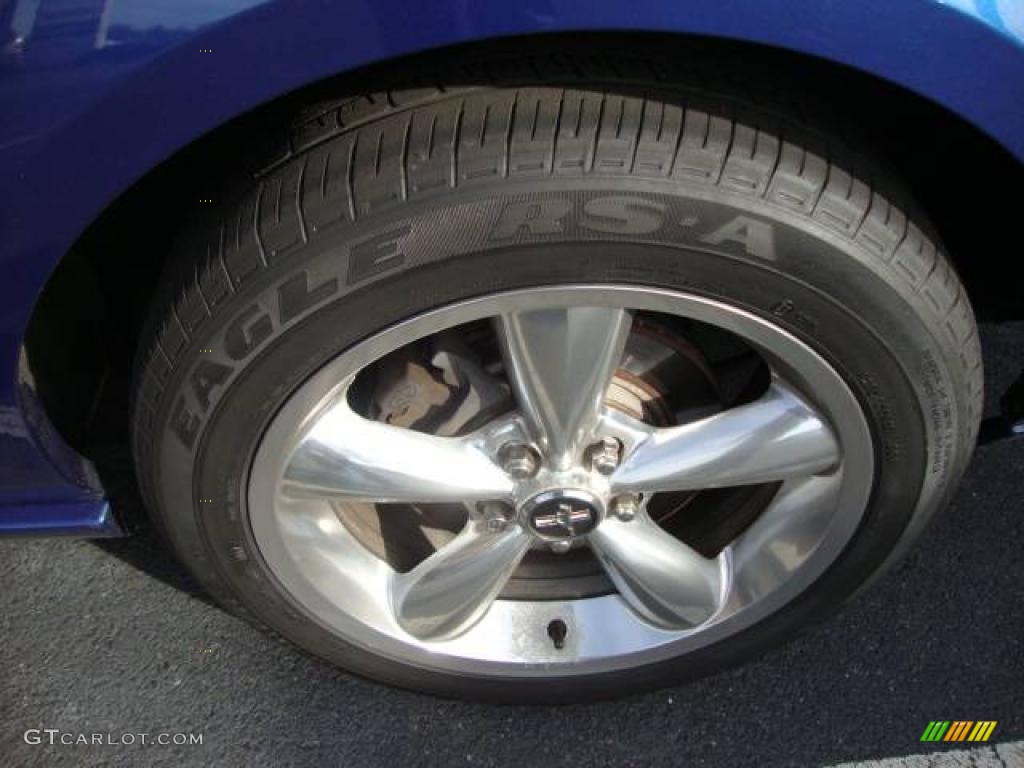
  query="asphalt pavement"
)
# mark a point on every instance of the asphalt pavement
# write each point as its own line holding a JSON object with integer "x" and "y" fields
{"x": 113, "y": 639}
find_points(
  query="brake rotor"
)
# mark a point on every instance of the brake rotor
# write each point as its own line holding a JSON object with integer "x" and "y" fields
{"x": 663, "y": 379}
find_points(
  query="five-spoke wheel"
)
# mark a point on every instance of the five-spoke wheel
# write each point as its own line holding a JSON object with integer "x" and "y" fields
{"x": 561, "y": 469}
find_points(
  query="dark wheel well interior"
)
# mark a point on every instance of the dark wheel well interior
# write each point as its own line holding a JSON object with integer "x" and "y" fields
{"x": 83, "y": 333}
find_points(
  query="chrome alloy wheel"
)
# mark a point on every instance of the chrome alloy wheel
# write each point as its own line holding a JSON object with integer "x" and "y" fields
{"x": 561, "y": 471}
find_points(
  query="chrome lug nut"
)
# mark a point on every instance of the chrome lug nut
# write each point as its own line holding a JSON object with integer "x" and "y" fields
{"x": 497, "y": 514}
{"x": 518, "y": 460}
{"x": 625, "y": 507}
{"x": 605, "y": 455}
{"x": 560, "y": 547}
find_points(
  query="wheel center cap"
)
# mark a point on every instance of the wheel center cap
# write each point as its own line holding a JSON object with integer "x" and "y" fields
{"x": 561, "y": 514}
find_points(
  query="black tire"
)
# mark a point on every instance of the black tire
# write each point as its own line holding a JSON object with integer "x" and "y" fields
{"x": 389, "y": 205}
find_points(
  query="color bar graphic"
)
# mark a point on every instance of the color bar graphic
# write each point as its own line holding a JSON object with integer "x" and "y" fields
{"x": 959, "y": 730}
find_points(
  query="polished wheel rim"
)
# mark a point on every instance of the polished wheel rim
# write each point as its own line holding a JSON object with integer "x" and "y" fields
{"x": 563, "y": 472}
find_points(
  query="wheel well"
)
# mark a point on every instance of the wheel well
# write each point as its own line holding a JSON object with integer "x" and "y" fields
{"x": 82, "y": 335}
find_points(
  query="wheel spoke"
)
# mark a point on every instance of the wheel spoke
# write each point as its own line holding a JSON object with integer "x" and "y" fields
{"x": 663, "y": 580}
{"x": 347, "y": 457}
{"x": 784, "y": 535}
{"x": 452, "y": 589}
{"x": 774, "y": 438}
{"x": 560, "y": 363}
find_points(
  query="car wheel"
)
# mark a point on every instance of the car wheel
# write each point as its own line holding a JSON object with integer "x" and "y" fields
{"x": 546, "y": 392}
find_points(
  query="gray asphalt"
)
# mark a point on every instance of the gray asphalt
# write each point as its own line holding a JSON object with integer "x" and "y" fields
{"x": 113, "y": 638}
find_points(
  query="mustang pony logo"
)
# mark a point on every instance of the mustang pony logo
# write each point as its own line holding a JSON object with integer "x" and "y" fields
{"x": 565, "y": 517}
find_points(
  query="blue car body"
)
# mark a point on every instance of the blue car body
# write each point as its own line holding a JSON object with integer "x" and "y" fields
{"x": 94, "y": 94}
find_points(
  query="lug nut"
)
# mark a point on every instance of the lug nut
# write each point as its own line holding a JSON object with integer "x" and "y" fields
{"x": 625, "y": 507}
{"x": 497, "y": 514}
{"x": 519, "y": 460}
{"x": 496, "y": 510}
{"x": 605, "y": 455}
{"x": 560, "y": 547}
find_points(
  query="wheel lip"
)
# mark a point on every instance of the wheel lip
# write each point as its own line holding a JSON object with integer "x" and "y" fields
{"x": 464, "y": 655}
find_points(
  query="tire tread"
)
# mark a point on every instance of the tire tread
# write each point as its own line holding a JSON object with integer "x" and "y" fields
{"x": 353, "y": 157}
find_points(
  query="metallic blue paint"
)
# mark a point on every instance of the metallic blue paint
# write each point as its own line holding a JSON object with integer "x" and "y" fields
{"x": 88, "y": 519}
{"x": 95, "y": 93}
